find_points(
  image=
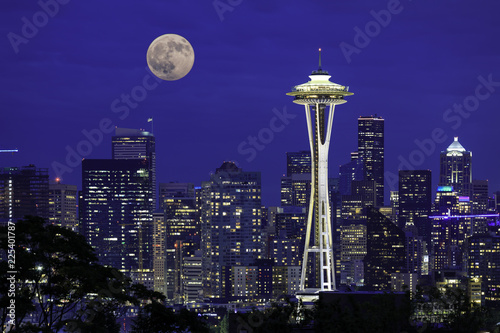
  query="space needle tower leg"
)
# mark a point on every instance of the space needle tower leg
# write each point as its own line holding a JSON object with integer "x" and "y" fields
{"x": 319, "y": 97}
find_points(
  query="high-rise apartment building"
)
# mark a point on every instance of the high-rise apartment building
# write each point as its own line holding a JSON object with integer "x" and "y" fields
{"x": 230, "y": 223}
{"x": 117, "y": 206}
{"x": 63, "y": 205}
{"x": 371, "y": 150}
{"x": 136, "y": 144}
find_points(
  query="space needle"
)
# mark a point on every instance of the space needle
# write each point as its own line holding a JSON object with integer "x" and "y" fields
{"x": 319, "y": 97}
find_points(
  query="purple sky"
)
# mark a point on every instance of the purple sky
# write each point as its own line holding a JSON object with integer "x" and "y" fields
{"x": 410, "y": 67}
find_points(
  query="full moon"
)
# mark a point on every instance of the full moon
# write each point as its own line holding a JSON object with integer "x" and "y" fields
{"x": 170, "y": 57}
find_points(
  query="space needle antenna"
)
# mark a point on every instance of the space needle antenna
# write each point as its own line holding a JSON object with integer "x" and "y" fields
{"x": 319, "y": 67}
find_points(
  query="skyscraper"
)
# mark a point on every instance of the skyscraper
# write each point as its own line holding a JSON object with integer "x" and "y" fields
{"x": 175, "y": 190}
{"x": 182, "y": 223}
{"x": 159, "y": 252}
{"x": 298, "y": 162}
{"x": 480, "y": 202}
{"x": 23, "y": 191}
{"x": 483, "y": 254}
{"x": 117, "y": 214}
{"x": 451, "y": 225}
{"x": 296, "y": 185}
{"x": 456, "y": 168}
{"x": 62, "y": 205}
{"x": 131, "y": 144}
{"x": 385, "y": 249}
{"x": 371, "y": 150}
{"x": 349, "y": 172}
{"x": 319, "y": 97}
{"x": 415, "y": 200}
{"x": 230, "y": 223}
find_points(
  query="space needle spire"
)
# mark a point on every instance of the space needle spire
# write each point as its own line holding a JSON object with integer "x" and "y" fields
{"x": 319, "y": 97}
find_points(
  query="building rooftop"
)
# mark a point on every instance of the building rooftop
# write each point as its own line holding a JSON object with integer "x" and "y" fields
{"x": 456, "y": 146}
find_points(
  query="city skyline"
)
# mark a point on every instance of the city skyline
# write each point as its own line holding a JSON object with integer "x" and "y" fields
{"x": 64, "y": 80}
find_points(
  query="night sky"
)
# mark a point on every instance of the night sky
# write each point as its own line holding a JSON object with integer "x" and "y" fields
{"x": 407, "y": 61}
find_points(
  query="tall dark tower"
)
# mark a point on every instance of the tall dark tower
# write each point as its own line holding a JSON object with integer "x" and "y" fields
{"x": 134, "y": 144}
{"x": 371, "y": 150}
{"x": 385, "y": 248}
{"x": 319, "y": 97}
{"x": 415, "y": 200}
{"x": 456, "y": 168}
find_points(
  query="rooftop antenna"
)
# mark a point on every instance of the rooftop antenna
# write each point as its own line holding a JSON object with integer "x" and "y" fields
{"x": 319, "y": 68}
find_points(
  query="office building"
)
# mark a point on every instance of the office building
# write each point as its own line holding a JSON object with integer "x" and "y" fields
{"x": 349, "y": 172}
{"x": 159, "y": 252}
{"x": 182, "y": 223}
{"x": 63, "y": 205}
{"x": 192, "y": 278}
{"x": 415, "y": 201}
{"x": 371, "y": 150}
{"x": 480, "y": 205}
{"x": 483, "y": 263}
{"x": 296, "y": 190}
{"x": 385, "y": 248}
{"x": 136, "y": 144}
{"x": 451, "y": 225}
{"x": 173, "y": 190}
{"x": 353, "y": 242}
{"x": 23, "y": 191}
{"x": 117, "y": 220}
{"x": 456, "y": 168}
{"x": 298, "y": 163}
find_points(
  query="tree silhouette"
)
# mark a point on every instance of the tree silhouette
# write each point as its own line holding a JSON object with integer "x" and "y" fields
{"x": 60, "y": 285}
